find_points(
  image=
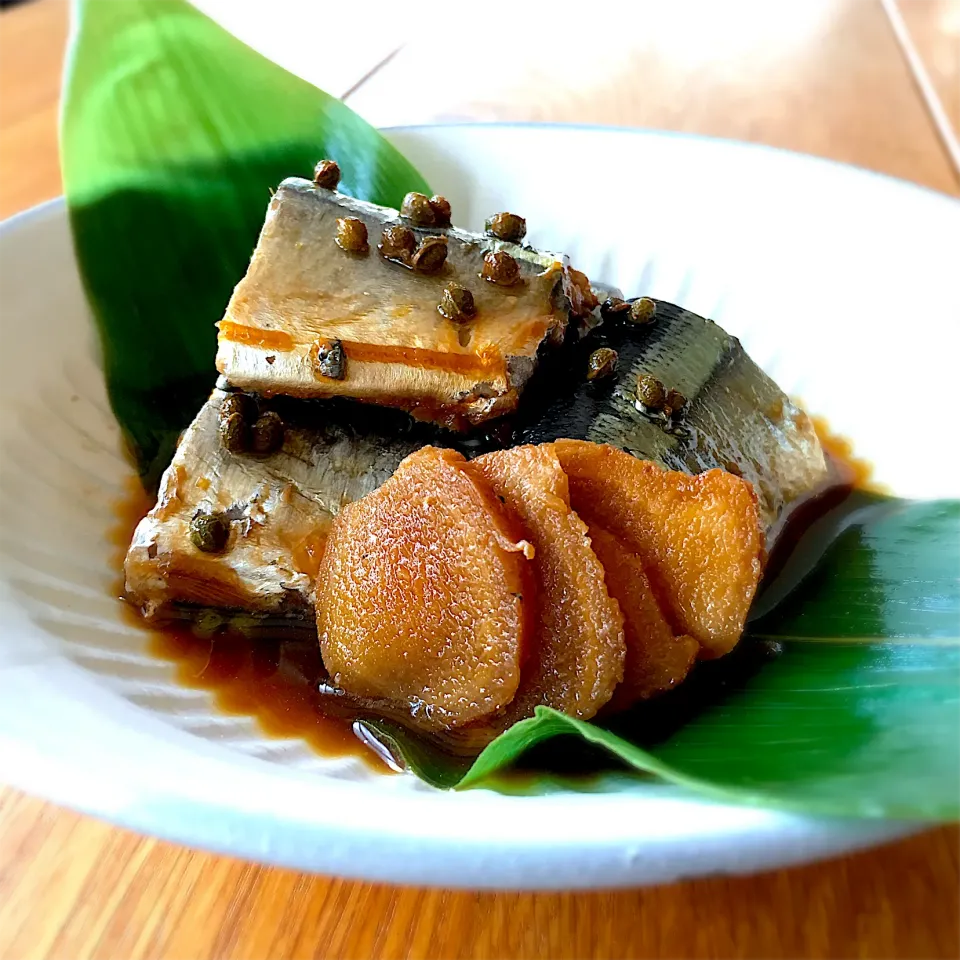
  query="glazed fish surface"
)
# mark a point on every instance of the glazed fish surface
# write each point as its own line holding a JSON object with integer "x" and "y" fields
{"x": 346, "y": 298}
{"x": 238, "y": 529}
{"x": 361, "y": 333}
{"x": 280, "y": 504}
{"x": 683, "y": 393}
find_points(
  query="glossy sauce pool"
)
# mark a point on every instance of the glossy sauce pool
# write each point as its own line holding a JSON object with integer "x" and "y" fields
{"x": 275, "y": 680}
{"x": 271, "y": 680}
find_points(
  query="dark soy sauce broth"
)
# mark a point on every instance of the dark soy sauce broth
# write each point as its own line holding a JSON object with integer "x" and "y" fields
{"x": 271, "y": 679}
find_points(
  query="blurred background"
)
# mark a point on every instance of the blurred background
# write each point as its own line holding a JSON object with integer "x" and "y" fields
{"x": 870, "y": 82}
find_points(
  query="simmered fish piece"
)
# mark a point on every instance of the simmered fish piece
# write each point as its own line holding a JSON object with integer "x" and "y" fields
{"x": 733, "y": 416}
{"x": 244, "y": 530}
{"x": 345, "y": 298}
{"x": 726, "y": 411}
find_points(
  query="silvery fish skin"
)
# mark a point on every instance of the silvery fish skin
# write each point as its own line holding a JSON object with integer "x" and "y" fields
{"x": 302, "y": 292}
{"x": 279, "y": 505}
{"x": 336, "y": 451}
{"x": 735, "y": 418}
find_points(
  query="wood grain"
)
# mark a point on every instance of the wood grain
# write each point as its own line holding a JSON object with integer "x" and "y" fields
{"x": 934, "y": 27}
{"x": 817, "y": 76}
{"x": 827, "y": 80}
{"x": 71, "y": 887}
{"x": 32, "y": 41}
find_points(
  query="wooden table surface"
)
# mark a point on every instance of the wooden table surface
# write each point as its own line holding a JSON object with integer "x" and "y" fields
{"x": 820, "y": 76}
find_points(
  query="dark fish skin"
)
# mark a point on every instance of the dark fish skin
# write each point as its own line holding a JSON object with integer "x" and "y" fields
{"x": 279, "y": 506}
{"x": 736, "y": 417}
{"x": 337, "y": 450}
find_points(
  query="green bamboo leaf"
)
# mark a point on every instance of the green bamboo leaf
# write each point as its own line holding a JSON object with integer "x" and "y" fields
{"x": 859, "y": 715}
{"x": 173, "y": 133}
{"x": 421, "y": 753}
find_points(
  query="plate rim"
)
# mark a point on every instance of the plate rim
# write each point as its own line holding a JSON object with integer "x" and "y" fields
{"x": 659, "y": 133}
{"x": 813, "y": 836}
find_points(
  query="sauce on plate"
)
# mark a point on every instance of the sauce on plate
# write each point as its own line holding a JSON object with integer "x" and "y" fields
{"x": 274, "y": 679}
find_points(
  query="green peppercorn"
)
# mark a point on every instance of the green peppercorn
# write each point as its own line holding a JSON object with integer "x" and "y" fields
{"x": 500, "y": 268}
{"x": 441, "y": 210}
{"x": 397, "y": 242}
{"x": 417, "y": 209}
{"x": 613, "y": 308}
{"x": 330, "y": 360}
{"x": 602, "y": 363}
{"x": 209, "y": 532}
{"x": 643, "y": 311}
{"x": 675, "y": 401}
{"x": 457, "y": 303}
{"x": 326, "y": 174}
{"x": 238, "y": 403}
{"x": 430, "y": 256}
{"x": 506, "y": 226}
{"x": 234, "y": 434}
{"x": 266, "y": 434}
{"x": 650, "y": 391}
{"x": 352, "y": 235}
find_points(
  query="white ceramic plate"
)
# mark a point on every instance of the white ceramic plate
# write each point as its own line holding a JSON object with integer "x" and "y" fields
{"x": 838, "y": 282}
